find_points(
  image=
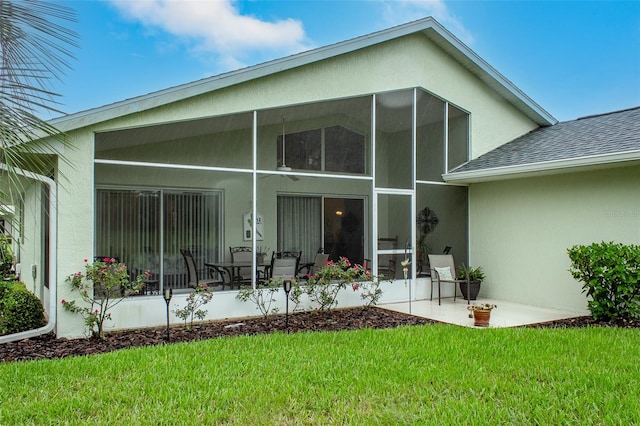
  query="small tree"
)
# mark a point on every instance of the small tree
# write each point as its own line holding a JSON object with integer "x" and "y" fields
{"x": 197, "y": 298}
{"x": 104, "y": 284}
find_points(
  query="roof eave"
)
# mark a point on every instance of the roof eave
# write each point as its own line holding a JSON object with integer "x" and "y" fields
{"x": 545, "y": 168}
{"x": 429, "y": 26}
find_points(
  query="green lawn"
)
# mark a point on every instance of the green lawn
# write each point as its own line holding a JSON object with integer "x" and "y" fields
{"x": 412, "y": 375}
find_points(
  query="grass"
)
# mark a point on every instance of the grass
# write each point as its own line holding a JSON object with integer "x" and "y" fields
{"x": 412, "y": 375}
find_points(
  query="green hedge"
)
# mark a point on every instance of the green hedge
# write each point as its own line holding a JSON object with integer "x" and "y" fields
{"x": 20, "y": 310}
{"x": 610, "y": 273}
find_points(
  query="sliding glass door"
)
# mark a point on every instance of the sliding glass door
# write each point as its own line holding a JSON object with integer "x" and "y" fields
{"x": 335, "y": 224}
{"x": 137, "y": 226}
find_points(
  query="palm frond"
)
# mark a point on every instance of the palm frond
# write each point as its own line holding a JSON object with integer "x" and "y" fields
{"x": 35, "y": 47}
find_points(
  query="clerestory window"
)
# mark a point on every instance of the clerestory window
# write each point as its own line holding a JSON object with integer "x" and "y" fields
{"x": 332, "y": 149}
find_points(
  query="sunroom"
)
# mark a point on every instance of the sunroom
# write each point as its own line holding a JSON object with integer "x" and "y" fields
{"x": 341, "y": 175}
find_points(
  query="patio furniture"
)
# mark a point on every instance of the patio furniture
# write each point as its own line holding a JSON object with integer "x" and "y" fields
{"x": 443, "y": 270}
{"x": 311, "y": 268}
{"x": 241, "y": 255}
{"x": 284, "y": 264}
{"x": 387, "y": 262}
{"x": 192, "y": 273}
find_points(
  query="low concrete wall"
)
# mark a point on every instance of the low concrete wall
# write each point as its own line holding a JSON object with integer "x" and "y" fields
{"x": 150, "y": 311}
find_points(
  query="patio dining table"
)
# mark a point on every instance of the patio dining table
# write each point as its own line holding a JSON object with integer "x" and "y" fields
{"x": 232, "y": 269}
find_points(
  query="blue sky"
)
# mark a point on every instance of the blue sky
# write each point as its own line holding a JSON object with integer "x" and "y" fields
{"x": 574, "y": 58}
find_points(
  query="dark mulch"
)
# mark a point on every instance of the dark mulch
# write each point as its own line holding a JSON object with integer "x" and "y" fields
{"x": 341, "y": 319}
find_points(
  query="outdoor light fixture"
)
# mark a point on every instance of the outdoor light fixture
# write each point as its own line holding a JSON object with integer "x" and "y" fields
{"x": 168, "y": 294}
{"x": 286, "y": 284}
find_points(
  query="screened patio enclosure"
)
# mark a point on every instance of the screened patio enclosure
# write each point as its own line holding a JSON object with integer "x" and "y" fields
{"x": 341, "y": 175}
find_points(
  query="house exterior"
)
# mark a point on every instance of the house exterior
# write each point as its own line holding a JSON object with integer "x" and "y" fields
{"x": 339, "y": 147}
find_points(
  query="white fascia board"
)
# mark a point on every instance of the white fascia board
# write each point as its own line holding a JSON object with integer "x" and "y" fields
{"x": 543, "y": 168}
{"x": 206, "y": 85}
{"x": 429, "y": 26}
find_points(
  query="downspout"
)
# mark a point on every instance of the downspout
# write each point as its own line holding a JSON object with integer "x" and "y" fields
{"x": 53, "y": 256}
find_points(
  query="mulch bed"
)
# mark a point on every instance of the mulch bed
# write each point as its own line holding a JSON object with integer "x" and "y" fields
{"x": 48, "y": 347}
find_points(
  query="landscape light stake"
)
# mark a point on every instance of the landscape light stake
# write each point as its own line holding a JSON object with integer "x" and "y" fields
{"x": 287, "y": 288}
{"x": 168, "y": 294}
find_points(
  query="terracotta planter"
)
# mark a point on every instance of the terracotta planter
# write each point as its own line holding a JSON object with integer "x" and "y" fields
{"x": 481, "y": 318}
{"x": 474, "y": 289}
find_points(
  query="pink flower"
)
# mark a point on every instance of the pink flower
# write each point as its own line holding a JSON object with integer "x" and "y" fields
{"x": 79, "y": 273}
{"x": 327, "y": 263}
{"x": 96, "y": 312}
{"x": 113, "y": 260}
{"x": 63, "y": 301}
{"x": 106, "y": 259}
{"x": 147, "y": 274}
{"x": 355, "y": 287}
{"x": 86, "y": 260}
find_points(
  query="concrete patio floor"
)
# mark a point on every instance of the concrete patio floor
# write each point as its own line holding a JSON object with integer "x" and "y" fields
{"x": 507, "y": 314}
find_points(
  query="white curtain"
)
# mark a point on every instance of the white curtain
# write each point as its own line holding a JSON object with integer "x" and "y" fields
{"x": 300, "y": 225}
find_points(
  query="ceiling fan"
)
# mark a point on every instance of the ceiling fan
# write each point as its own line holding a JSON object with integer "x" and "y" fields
{"x": 283, "y": 167}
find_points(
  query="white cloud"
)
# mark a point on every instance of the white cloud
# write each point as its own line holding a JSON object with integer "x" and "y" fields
{"x": 401, "y": 11}
{"x": 217, "y": 26}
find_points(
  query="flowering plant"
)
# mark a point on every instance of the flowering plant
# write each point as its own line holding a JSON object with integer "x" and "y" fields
{"x": 480, "y": 307}
{"x": 104, "y": 284}
{"x": 323, "y": 287}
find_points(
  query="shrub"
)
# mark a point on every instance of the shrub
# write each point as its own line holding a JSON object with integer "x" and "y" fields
{"x": 20, "y": 310}
{"x": 262, "y": 295}
{"x": 197, "y": 298}
{"x": 104, "y": 284}
{"x": 610, "y": 274}
{"x": 324, "y": 286}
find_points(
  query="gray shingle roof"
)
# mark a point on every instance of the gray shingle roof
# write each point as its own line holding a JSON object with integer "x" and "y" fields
{"x": 610, "y": 133}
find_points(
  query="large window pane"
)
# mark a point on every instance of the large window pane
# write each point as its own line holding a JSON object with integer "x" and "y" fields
{"x": 303, "y": 150}
{"x": 191, "y": 222}
{"x": 216, "y": 141}
{"x": 429, "y": 137}
{"x": 394, "y": 232}
{"x": 130, "y": 225}
{"x": 344, "y": 150}
{"x": 458, "y": 137}
{"x": 328, "y": 136}
{"x": 394, "y": 112}
{"x": 300, "y": 225}
{"x": 344, "y": 228}
{"x": 444, "y": 225}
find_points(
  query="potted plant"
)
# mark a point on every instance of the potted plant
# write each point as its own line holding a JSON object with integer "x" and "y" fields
{"x": 476, "y": 276}
{"x": 481, "y": 313}
{"x": 261, "y": 254}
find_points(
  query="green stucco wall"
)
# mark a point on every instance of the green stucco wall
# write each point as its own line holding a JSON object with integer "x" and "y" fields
{"x": 521, "y": 229}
